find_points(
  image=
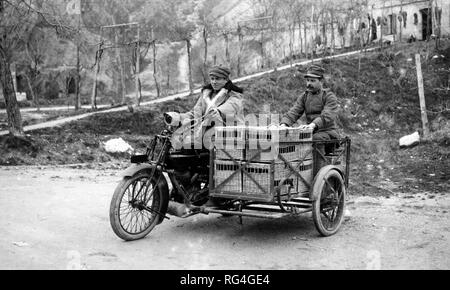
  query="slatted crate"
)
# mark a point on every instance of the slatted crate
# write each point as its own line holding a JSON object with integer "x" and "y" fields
{"x": 289, "y": 152}
{"x": 274, "y": 135}
{"x": 223, "y": 169}
{"x": 229, "y": 135}
{"x": 242, "y": 143}
{"x": 230, "y": 140}
{"x": 271, "y": 141}
{"x": 270, "y": 175}
{"x": 306, "y": 170}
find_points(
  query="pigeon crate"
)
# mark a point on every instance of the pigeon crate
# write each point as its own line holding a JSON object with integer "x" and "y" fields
{"x": 265, "y": 135}
{"x": 229, "y": 135}
{"x": 306, "y": 172}
{"x": 235, "y": 154}
{"x": 288, "y": 152}
{"x": 267, "y": 177}
{"x": 224, "y": 170}
{"x": 230, "y": 140}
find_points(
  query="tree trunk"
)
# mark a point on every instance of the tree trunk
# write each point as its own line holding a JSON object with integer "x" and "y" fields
{"x": 241, "y": 40}
{"x": 300, "y": 36}
{"x": 191, "y": 83}
{"x": 306, "y": 39}
{"x": 403, "y": 19}
{"x": 12, "y": 107}
{"x": 77, "y": 80}
{"x": 33, "y": 95}
{"x": 227, "y": 49}
{"x": 155, "y": 77}
{"x": 138, "y": 67}
{"x": 97, "y": 71}
{"x": 262, "y": 50}
{"x": 333, "y": 35}
{"x": 291, "y": 44}
{"x": 168, "y": 75}
{"x": 121, "y": 86}
{"x": 205, "y": 55}
{"x": 312, "y": 34}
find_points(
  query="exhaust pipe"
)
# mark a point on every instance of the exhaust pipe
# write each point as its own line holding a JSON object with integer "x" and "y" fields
{"x": 181, "y": 210}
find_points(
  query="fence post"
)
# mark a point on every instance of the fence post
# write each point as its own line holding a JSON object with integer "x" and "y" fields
{"x": 423, "y": 108}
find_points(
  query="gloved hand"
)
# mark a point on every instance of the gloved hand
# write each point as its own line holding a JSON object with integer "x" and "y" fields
{"x": 311, "y": 126}
{"x": 213, "y": 117}
{"x": 172, "y": 119}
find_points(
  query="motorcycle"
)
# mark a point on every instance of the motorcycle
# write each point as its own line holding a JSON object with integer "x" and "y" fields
{"x": 142, "y": 199}
{"x": 167, "y": 181}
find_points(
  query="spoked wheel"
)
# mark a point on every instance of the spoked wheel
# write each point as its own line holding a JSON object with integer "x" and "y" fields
{"x": 328, "y": 208}
{"x": 136, "y": 206}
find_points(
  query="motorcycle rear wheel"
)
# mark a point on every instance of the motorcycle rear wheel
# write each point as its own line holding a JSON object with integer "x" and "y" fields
{"x": 131, "y": 217}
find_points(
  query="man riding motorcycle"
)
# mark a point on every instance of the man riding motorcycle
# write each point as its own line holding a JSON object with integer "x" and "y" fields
{"x": 220, "y": 104}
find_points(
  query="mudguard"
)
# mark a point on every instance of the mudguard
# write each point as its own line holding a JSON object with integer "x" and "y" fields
{"x": 314, "y": 194}
{"x": 164, "y": 187}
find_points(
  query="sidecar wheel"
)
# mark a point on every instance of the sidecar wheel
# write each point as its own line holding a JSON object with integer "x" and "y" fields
{"x": 131, "y": 216}
{"x": 328, "y": 209}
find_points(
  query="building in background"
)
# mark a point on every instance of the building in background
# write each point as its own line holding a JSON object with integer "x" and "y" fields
{"x": 411, "y": 19}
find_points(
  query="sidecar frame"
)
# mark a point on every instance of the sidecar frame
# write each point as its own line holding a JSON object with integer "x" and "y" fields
{"x": 334, "y": 164}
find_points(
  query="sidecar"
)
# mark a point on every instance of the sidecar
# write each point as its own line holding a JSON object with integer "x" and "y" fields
{"x": 253, "y": 172}
{"x": 292, "y": 176}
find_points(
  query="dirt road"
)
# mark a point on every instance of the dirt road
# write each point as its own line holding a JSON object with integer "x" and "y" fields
{"x": 57, "y": 218}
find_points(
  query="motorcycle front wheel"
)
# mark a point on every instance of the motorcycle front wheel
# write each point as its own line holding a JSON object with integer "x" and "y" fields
{"x": 136, "y": 206}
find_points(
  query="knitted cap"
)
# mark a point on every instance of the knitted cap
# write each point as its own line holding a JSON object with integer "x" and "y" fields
{"x": 220, "y": 71}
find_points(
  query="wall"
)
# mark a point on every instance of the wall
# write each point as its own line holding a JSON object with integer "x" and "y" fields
{"x": 382, "y": 9}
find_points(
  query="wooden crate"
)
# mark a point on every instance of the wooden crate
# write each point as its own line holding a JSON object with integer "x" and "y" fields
{"x": 223, "y": 169}
{"x": 266, "y": 135}
{"x": 270, "y": 175}
{"x": 242, "y": 143}
{"x": 230, "y": 140}
{"x": 289, "y": 152}
{"x": 306, "y": 170}
{"x": 226, "y": 136}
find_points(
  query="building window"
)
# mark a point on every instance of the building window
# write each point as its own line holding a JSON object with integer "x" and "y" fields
{"x": 416, "y": 19}
{"x": 392, "y": 24}
{"x": 404, "y": 18}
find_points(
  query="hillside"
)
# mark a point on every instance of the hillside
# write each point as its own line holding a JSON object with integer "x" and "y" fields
{"x": 379, "y": 105}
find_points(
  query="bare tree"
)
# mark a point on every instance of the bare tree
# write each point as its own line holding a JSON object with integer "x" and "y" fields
{"x": 13, "y": 31}
{"x": 208, "y": 23}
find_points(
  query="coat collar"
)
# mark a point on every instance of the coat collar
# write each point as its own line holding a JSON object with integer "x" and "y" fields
{"x": 216, "y": 100}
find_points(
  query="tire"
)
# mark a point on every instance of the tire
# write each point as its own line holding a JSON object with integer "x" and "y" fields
{"x": 129, "y": 220}
{"x": 329, "y": 206}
